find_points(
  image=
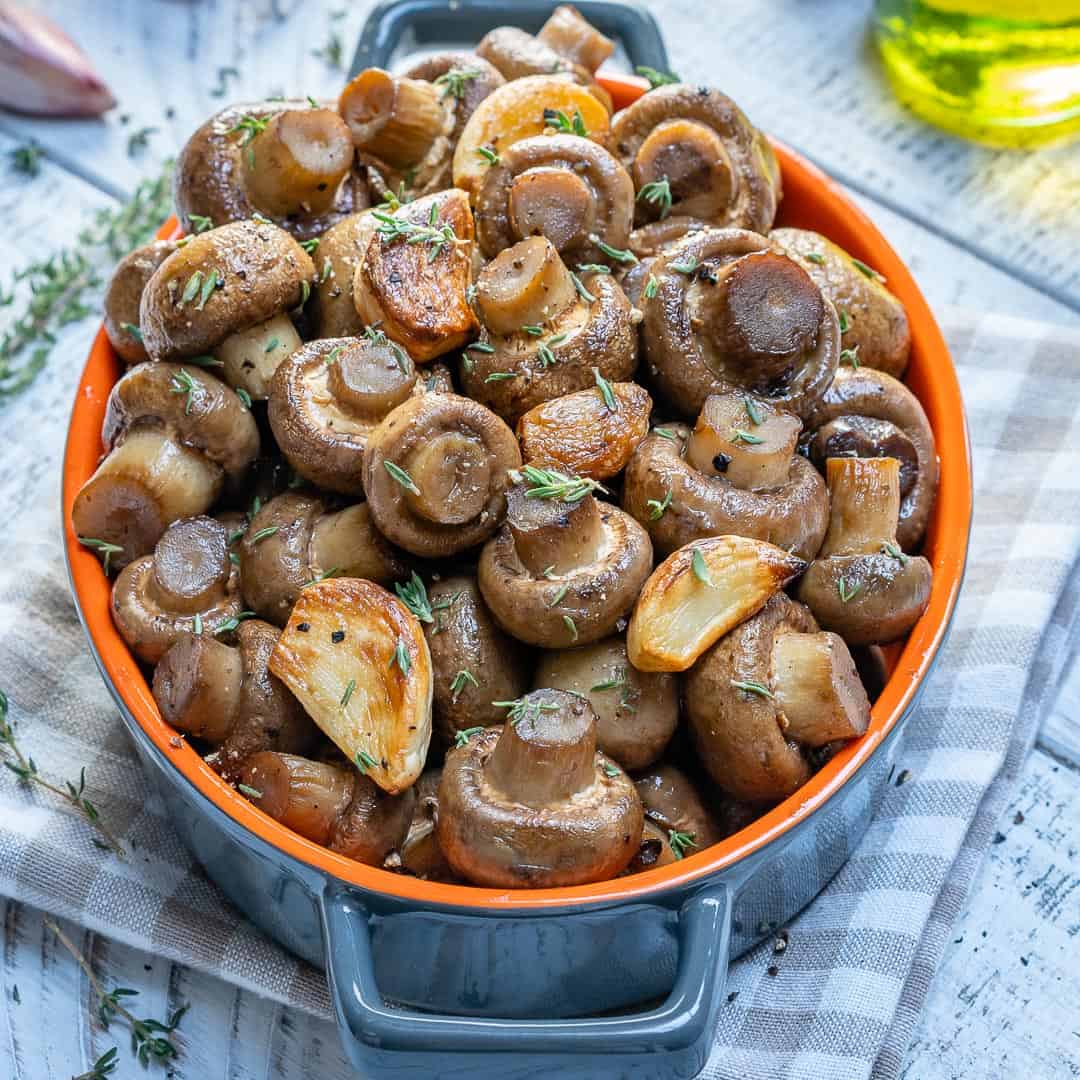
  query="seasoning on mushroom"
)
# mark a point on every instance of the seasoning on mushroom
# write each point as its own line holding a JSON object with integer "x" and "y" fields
{"x": 125, "y": 291}
{"x": 673, "y": 804}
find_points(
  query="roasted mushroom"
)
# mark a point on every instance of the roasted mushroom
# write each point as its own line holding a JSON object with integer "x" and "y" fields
{"x": 730, "y": 314}
{"x": 282, "y": 159}
{"x": 420, "y": 853}
{"x": 574, "y": 37}
{"x": 738, "y": 472}
{"x": 124, "y": 293}
{"x": 565, "y": 569}
{"x": 862, "y": 585}
{"x": 876, "y": 331}
{"x": 673, "y": 804}
{"x": 340, "y": 251}
{"x": 867, "y": 413}
{"x": 564, "y": 187}
{"x": 543, "y": 338}
{"x": 187, "y": 586}
{"x": 435, "y": 474}
{"x": 636, "y": 712}
{"x": 533, "y": 803}
{"x": 767, "y": 693}
{"x": 332, "y": 805}
{"x": 173, "y": 435}
{"x": 228, "y": 292}
{"x": 224, "y": 695}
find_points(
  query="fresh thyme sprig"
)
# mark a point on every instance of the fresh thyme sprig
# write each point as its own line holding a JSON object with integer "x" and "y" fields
{"x": 658, "y": 194}
{"x": 463, "y": 736}
{"x": 414, "y": 596}
{"x": 103, "y": 1068}
{"x": 454, "y": 82}
{"x": 459, "y": 682}
{"x": 552, "y": 484}
{"x": 392, "y": 228}
{"x": 520, "y": 709}
{"x": 559, "y": 121}
{"x": 656, "y": 78}
{"x": 680, "y": 842}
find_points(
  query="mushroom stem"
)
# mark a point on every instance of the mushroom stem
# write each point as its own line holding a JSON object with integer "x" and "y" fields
{"x": 197, "y": 686}
{"x": 552, "y": 202}
{"x": 744, "y": 439}
{"x": 691, "y": 157}
{"x": 575, "y": 38}
{"x": 452, "y": 474}
{"x": 548, "y": 754}
{"x": 525, "y": 285}
{"x": 191, "y": 566}
{"x": 250, "y": 357}
{"x": 395, "y": 119}
{"x": 297, "y": 162}
{"x": 815, "y": 683}
{"x": 370, "y": 378}
{"x": 552, "y": 535}
{"x": 865, "y": 505}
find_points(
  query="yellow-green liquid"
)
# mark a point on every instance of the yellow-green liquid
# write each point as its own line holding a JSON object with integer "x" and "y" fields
{"x": 1002, "y": 72}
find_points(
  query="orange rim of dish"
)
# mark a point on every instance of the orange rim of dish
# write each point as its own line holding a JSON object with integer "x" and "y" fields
{"x": 810, "y": 200}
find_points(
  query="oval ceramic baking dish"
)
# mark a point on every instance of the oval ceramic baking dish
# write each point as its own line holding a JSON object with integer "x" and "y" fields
{"x": 551, "y": 981}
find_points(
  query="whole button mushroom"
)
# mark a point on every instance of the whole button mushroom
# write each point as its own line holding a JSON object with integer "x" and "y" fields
{"x": 189, "y": 585}
{"x": 565, "y": 569}
{"x": 436, "y": 473}
{"x": 766, "y": 695}
{"x": 534, "y": 804}
{"x": 332, "y": 805}
{"x": 173, "y": 436}
{"x": 637, "y": 712}
{"x": 227, "y": 292}
{"x": 123, "y": 294}
{"x": 340, "y": 251}
{"x": 868, "y": 413}
{"x": 283, "y": 159}
{"x": 738, "y": 471}
{"x": 224, "y": 695}
{"x": 673, "y": 804}
{"x": 728, "y": 313}
{"x": 543, "y": 336}
{"x": 862, "y": 585}
{"x": 421, "y": 855}
{"x": 296, "y": 539}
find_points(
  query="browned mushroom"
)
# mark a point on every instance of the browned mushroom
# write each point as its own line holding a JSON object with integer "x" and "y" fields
{"x": 188, "y": 585}
{"x": 228, "y": 292}
{"x": 534, "y": 804}
{"x": 420, "y": 853}
{"x": 295, "y": 539}
{"x": 543, "y": 338}
{"x": 737, "y": 472}
{"x": 674, "y": 806}
{"x": 224, "y": 695}
{"x": 564, "y": 187}
{"x": 767, "y": 693}
{"x": 637, "y": 712}
{"x": 332, "y": 805}
{"x": 876, "y": 330}
{"x": 574, "y": 37}
{"x": 693, "y": 153}
{"x": 124, "y": 293}
{"x": 282, "y": 159}
{"x": 435, "y": 474}
{"x": 173, "y": 435}
{"x": 862, "y": 585}
{"x": 729, "y": 313}
{"x": 340, "y": 251}
{"x": 565, "y": 569}
{"x": 867, "y": 413}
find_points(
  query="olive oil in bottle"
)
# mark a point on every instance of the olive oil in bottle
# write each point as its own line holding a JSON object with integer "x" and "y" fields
{"x": 1001, "y": 72}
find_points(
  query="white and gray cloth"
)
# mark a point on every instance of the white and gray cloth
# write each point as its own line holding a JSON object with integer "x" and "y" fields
{"x": 847, "y": 990}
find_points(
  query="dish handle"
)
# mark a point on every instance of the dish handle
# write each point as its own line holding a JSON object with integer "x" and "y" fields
{"x": 671, "y": 1040}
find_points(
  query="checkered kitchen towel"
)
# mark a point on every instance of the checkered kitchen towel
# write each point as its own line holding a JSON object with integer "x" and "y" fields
{"x": 860, "y": 958}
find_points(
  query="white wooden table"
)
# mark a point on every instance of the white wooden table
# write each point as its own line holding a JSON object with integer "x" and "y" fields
{"x": 978, "y": 228}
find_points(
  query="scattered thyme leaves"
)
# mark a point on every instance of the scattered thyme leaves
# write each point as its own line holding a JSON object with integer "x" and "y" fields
{"x": 656, "y": 78}
{"x": 658, "y": 194}
{"x": 414, "y": 596}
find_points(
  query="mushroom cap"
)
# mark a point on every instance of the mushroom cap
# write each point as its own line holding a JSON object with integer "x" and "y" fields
{"x": 341, "y": 248}
{"x": 794, "y": 516}
{"x": 209, "y": 175}
{"x": 877, "y": 322}
{"x": 125, "y": 291}
{"x": 672, "y": 802}
{"x": 261, "y": 271}
{"x": 375, "y": 823}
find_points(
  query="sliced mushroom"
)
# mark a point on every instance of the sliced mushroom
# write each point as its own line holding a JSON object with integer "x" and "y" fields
{"x": 297, "y": 156}
{"x": 435, "y": 474}
{"x": 768, "y": 693}
{"x": 124, "y": 293}
{"x": 340, "y": 251}
{"x": 636, "y": 712}
{"x": 415, "y": 273}
{"x": 696, "y": 146}
{"x": 673, "y": 805}
{"x": 224, "y": 695}
{"x": 296, "y": 539}
{"x": 564, "y": 187}
{"x": 331, "y": 805}
{"x": 228, "y": 292}
{"x": 729, "y": 313}
{"x": 565, "y": 569}
{"x": 877, "y": 335}
{"x": 862, "y": 585}
{"x": 173, "y": 435}
{"x": 188, "y": 585}
{"x": 737, "y": 472}
{"x": 534, "y": 804}
{"x": 867, "y": 413}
